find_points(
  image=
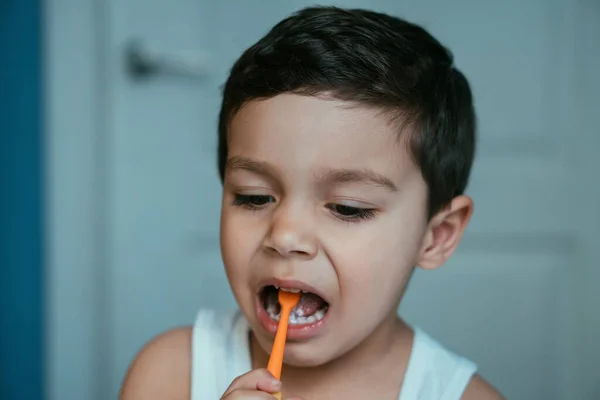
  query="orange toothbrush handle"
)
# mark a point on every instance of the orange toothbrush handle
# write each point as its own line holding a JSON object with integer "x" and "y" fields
{"x": 276, "y": 358}
{"x": 287, "y": 301}
{"x": 277, "y": 395}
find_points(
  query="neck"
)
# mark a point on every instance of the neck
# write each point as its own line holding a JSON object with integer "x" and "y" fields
{"x": 386, "y": 350}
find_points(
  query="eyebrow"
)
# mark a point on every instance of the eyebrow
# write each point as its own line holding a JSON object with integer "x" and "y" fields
{"x": 330, "y": 176}
{"x": 246, "y": 164}
{"x": 359, "y": 176}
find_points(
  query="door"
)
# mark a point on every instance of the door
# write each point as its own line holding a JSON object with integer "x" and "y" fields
{"x": 505, "y": 299}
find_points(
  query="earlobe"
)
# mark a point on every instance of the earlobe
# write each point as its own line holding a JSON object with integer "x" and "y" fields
{"x": 445, "y": 231}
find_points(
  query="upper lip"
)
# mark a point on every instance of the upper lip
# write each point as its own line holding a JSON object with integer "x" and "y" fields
{"x": 291, "y": 284}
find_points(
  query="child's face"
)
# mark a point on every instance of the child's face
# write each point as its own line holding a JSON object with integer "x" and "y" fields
{"x": 323, "y": 197}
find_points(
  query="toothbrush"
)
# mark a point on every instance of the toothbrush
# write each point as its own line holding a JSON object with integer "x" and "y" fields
{"x": 287, "y": 301}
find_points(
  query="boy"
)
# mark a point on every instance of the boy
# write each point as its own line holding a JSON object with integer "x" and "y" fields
{"x": 346, "y": 139}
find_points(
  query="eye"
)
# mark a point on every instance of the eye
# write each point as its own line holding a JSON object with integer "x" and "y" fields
{"x": 252, "y": 200}
{"x": 348, "y": 213}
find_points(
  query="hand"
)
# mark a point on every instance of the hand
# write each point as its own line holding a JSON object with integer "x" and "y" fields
{"x": 256, "y": 384}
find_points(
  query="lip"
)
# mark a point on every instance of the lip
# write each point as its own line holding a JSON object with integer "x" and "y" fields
{"x": 294, "y": 332}
{"x": 291, "y": 284}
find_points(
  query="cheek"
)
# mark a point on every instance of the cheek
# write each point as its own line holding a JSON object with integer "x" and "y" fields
{"x": 239, "y": 242}
{"x": 374, "y": 267}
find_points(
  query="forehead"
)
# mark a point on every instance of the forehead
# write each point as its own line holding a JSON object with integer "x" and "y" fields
{"x": 295, "y": 133}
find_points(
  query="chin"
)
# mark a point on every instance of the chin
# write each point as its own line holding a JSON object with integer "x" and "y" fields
{"x": 300, "y": 354}
{"x": 305, "y": 355}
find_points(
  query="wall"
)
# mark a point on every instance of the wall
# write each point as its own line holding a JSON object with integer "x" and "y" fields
{"x": 21, "y": 182}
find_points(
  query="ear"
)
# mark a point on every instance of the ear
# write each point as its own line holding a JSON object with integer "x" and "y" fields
{"x": 444, "y": 232}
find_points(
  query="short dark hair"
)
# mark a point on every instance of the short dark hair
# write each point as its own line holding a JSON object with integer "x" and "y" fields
{"x": 373, "y": 59}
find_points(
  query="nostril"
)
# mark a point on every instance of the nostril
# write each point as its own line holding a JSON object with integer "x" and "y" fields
{"x": 271, "y": 250}
{"x": 301, "y": 253}
{"x": 288, "y": 253}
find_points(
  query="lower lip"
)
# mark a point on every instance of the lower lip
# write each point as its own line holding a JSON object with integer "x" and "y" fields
{"x": 295, "y": 331}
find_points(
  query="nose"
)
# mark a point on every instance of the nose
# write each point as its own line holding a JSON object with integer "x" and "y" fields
{"x": 291, "y": 235}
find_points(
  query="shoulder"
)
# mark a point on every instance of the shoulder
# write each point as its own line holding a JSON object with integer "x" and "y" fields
{"x": 479, "y": 389}
{"x": 433, "y": 362}
{"x": 161, "y": 369}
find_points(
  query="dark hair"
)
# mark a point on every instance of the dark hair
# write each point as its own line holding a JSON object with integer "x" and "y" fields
{"x": 373, "y": 59}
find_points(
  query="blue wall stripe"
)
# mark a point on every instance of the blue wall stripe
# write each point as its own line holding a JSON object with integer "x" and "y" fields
{"x": 21, "y": 201}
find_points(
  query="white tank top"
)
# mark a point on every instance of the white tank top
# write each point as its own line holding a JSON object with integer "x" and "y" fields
{"x": 221, "y": 352}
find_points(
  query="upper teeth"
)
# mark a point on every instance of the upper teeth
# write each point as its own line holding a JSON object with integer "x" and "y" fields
{"x": 290, "y": 290}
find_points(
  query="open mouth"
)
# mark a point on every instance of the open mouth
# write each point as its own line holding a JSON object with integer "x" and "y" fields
{"x": 310, "y": 309}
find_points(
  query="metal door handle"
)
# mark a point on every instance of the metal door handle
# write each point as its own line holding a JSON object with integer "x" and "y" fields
{"x": 142, "y": 62}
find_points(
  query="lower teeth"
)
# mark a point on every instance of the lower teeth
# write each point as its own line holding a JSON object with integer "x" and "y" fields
{"x": 296, "y": 319}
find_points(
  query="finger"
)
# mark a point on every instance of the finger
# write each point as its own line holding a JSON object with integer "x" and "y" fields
{"x": 248, "y": 394}
{"x": 258, "y": 379}
{"x": 268, "y": 383}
